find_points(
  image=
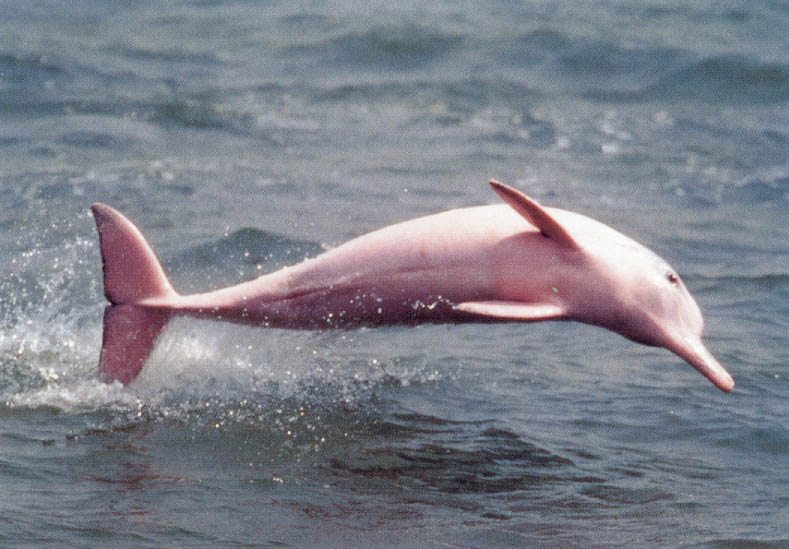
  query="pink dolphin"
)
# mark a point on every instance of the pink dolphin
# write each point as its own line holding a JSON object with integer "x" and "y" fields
{"x": 517, "y": 261}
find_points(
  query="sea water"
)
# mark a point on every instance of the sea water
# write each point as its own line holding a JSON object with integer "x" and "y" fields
{"x": 245, "y": 136}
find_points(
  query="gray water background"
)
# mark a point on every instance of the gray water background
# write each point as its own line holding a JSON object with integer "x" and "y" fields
{"x": 244, "y": 136}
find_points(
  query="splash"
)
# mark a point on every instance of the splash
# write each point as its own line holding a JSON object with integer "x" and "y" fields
{"x": 299, "y": 389}
{"x": 48, "y": 322}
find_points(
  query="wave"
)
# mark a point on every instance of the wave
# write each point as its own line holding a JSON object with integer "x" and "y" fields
{"x": 452, "y": 457}
{"x": 601, "y": 61}
{"x": 767, "y": 187}
{"x": 728, "y": 79}
{"x": 244, "y": 254}
{"x": 764, "y": 189}
{"x": 606, "y": 71}
{"x": 26, "y": 70}
{"x": 167, "y": 55}
{"x": 394, "y": 47}
{"x": 771, "y": 283}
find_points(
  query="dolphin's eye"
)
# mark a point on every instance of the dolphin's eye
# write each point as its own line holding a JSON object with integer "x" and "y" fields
{"x": 671, "y": 277}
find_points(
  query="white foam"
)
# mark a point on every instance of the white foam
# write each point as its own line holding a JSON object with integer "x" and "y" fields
{"x": 75, "y": 397}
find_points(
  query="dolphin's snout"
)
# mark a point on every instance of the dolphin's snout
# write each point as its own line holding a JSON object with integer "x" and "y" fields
{"x": 697, "y": 355}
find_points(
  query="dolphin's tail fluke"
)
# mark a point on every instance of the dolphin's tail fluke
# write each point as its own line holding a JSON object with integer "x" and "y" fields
{"x": 136, "y": 287}
{"x": 130, "y": 333}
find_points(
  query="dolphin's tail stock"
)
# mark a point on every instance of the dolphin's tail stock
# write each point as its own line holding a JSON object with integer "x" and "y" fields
{"x": 133, "y": 283}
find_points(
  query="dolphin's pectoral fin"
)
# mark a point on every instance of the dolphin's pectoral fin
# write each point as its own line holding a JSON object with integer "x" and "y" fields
{"x": 534, "y": 214}
{"x": 512, "y": 310}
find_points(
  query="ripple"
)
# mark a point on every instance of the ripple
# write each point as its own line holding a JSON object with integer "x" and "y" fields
{"x": 394, "y": 47}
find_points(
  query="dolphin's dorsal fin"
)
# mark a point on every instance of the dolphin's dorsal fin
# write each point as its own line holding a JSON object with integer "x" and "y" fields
{"x": 534, "y": 214}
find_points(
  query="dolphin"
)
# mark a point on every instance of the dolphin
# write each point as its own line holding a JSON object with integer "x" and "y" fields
{"x": 513, "y": 262}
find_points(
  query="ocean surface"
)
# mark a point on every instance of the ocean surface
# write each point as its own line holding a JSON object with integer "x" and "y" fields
{"x": 244, "y": 136}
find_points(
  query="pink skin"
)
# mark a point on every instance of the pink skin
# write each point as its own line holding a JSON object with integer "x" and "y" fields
{"x": 512, "y": 262}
